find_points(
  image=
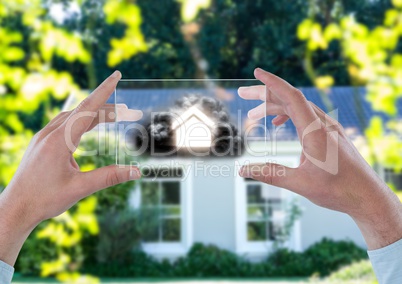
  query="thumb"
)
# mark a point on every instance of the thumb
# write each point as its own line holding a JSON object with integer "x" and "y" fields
{"x": 274, "y": 174}
{"x": 101, "y": 178}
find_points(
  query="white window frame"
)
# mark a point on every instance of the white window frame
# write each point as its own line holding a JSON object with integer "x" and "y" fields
{"x": 173, "y": 249}
{"x": 261, "y": 248}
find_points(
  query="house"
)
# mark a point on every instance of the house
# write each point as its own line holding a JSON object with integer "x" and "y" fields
{"x": 203, "y": 199}
{"x": 192, "y": 129}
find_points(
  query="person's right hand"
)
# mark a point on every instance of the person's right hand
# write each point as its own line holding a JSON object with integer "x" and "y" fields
{"x": 331, "y": 173}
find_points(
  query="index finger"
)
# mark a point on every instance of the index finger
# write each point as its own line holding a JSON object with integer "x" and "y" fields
{"x": 292, "y": 100}
{"x": 82, "y": 116}
{"x": 257, "y": 92}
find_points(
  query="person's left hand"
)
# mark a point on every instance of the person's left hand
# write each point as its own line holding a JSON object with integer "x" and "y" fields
{"x": 48, "y": 180}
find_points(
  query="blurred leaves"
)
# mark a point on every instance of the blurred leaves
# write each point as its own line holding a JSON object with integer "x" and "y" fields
{"x": 133, "y": 41}
{"x": 190, "y": 8}
{"x": 397, "y": 3}
{"x": 52, "y": 267}
{"x": 30, "y": 43}
{"x": 77, "y": 278}
{"x": 373, "y": 60}
{"x": 56, "y": 41}
{"x": 370, "y": 53}
{"x": 312, "y": 32}
{"x": 66, "y": 231}
{"x": 324, "y": 82}
{"x": 358, "y": 272}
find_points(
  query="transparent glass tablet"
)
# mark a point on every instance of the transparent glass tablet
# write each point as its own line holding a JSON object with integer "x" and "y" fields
{"x": 186, "y": 120}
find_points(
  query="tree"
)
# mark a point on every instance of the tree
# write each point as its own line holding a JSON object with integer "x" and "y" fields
{"x": 373, "y": 57}
{"x": 31, "y": 41}
{"x": 233, "y": 37}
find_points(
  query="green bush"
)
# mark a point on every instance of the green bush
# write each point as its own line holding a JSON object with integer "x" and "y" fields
{"x": 204, "y": 261}
{"x": 210, "y": 261}
{"x": 121, "y": 232}
{"x": 320, "y": 259}
{"x": 361, "y": 271}
{"x": 134, "y": 264}
{"x": 284, "y": 262}
{"x": 328, "y": 255}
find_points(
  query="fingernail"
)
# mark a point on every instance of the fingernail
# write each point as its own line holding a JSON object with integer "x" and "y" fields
{"x": 129, "y": 115}
{"x": 116, "y": 74}
{"x": 240, "y": 90}
{"x": 135, "y": 173}
{"x": 245, "y": 172}
{"x": 136, "y": 114}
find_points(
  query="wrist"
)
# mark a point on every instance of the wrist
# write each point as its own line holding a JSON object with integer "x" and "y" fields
{"x": 380, "y": 221}
{"x": 15, "y": 227}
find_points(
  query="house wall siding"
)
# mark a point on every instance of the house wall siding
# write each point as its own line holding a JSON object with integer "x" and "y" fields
{"x": 213, "y": 207}
{"x": 318, "y": 222}
{"x": 212, "y": 210}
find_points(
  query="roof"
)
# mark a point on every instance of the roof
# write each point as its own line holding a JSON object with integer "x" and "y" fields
{"x": 354, "y": 112}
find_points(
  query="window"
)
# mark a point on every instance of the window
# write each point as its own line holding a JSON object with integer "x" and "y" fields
{"x": 394, "y": 177}
{"x": 163, "y": 197}
{"x": 260, "y": 214}
{"x": 265, "y": 215}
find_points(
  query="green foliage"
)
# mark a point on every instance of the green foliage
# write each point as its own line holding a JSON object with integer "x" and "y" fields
{"x": 204, "y": 261}
{"x": 190, "y": 8}
{"x": 28, "y": 82}
{"x": 65, "y": 232}
{"x": 133, "y": 41}
{"x": 210, "y": 261}
{"x": 36, "y": 59}
{"x": 373, "y": 53}
{"x": 168, "y": 55}
{"x": 329, "y": 255}
{"x": 31, "y": 42}
{"x": 118, "y": 253}
{"x": 123, "y": 231}
{"x": 361, "y": 271}
{"x": 235, "y": 37}
{"x": 289, "y": 263}
{"x": 34, "y": 252}
{"x": 134, "y": 264}
{"x": 320, "y": 259}
{"x": 293, "y": 213}
{"x": 247, "y": 35}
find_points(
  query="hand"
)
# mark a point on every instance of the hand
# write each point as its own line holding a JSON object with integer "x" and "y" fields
{"x": 48, "y": 180}
{"x": 331, "y": 173}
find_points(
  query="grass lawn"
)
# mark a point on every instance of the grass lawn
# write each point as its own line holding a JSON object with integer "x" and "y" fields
{"x": 20, "y": 280}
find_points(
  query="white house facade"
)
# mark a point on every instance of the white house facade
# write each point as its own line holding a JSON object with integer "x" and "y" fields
{"x": 214, "y": 205}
